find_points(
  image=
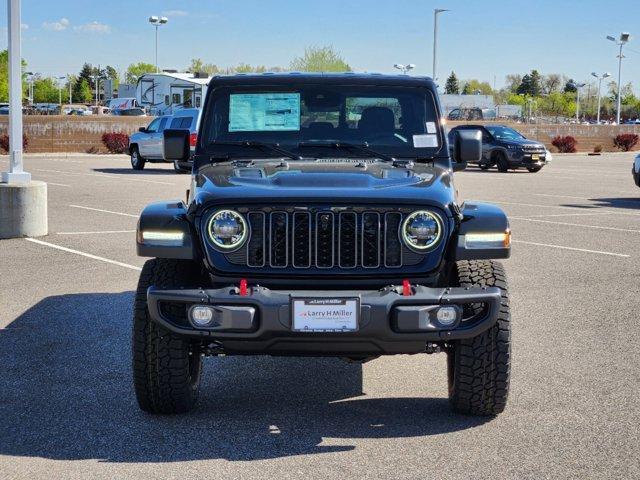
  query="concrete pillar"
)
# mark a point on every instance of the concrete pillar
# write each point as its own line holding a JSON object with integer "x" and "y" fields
{"x": 23, "y": 209}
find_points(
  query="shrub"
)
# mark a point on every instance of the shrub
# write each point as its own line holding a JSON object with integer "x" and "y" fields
{"x": 625, "y": 141}
{"x": 597, "y": 149}
{"x": 565, "y": 144}
{"x": 4, "y": 142}
{"x": 116, "y": 142}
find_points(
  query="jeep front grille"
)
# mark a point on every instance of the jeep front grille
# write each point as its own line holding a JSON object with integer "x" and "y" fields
{"x": 324, "y": 238}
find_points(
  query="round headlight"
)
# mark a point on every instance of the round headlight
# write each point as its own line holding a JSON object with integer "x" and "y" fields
{"x": 227, "y": 229}
{"x": 421, "y": 230}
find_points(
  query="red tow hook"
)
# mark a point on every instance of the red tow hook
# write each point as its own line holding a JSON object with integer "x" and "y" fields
{"x": 406, "y": 288}
{"x": 243, "y": 287}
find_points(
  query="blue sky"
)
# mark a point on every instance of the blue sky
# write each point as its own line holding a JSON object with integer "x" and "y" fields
{"x": 478, "y": 39}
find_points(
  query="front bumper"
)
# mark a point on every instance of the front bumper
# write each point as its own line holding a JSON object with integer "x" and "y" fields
{"x": 526, "y": 159}
{"x": 270, "y": 329}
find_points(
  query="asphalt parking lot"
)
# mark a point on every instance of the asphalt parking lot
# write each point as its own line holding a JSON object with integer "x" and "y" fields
{"x": 68, "y": 409}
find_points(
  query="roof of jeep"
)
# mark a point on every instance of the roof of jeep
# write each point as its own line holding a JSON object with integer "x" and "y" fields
{"x": 346, "y": 78}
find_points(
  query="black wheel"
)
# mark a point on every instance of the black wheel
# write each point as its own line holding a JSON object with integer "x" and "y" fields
{"x": 479, "y": 368}
{"x": 501, "y": 162}
{"x": 137, "y": 162}
{"x": 166, "y": 369}
{"x": 534, "y": 169}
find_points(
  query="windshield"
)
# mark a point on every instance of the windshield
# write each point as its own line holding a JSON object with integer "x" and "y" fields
{"x": 396, "y": 121}
{"x": 504, "y": 133}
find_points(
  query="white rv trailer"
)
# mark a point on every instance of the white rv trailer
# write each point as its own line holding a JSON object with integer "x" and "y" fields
{"x": 166, "y": 92}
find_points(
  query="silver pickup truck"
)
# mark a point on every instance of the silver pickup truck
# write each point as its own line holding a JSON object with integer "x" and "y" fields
{"x": 146, "y": 145}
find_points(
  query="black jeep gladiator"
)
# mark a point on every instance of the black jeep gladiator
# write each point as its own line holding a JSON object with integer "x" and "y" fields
{"x": 506, "y": 148}
{"x": 322, "y": 220}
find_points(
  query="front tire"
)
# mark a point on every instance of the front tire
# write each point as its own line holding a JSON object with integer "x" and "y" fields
{"x": 534, "y": 169}
{"x": 166, "y": 367}
{"x": 137, "y": 162}
{"x": 502, "y": 163}
{"x": 479, "y": 367}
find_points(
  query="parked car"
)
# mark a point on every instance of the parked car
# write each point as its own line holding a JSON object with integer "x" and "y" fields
{"x": 506, "y": 148}
{"x": 635, "y": 170}
{"x": 146, "y": 145}
{"x": 309, "y": 234}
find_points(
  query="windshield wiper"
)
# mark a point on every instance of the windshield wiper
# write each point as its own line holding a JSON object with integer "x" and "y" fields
{"x": 272, "y": 147}
{"x": 360, "y": 147}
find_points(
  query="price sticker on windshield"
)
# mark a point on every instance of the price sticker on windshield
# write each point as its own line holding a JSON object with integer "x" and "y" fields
{"x": 425, "y": 141}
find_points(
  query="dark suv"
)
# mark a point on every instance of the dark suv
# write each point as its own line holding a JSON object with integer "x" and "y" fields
{"x": 322, "y": 220}
{"x": 506, "y": 148}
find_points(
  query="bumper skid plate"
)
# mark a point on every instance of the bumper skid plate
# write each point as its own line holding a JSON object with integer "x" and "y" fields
{"x": 387, "y": 321}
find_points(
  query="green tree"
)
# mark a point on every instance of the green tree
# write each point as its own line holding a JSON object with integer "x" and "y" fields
{"x": 4, "y": 76}
{"x": 452, "y": 87}
{"x": 84, "y": 76}
{"x": 45, "y": 90}
{"x": 136, "y": 70}
{"x": 197, "y": 65}
{"x": 570, "y": 86}
{"x": 530, "y": 84}
{"x": 112, "y": 73}
{"x": 473, "y": 86}
{"x": 85, "y": 93}
{"x": 320, "y": 59}
{"x": 246, "y": 68}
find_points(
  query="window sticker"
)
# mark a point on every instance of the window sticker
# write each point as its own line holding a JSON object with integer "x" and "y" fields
{"x": 425, "y": 141}
{"x": 431, "y": 127}
{"x": 260, "y": 112}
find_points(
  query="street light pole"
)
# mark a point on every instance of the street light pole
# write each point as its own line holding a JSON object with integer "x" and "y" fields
{"x": 600, "y": 78}
{"x": 624, "y": 38}
{"x": 436, "y": 11}
{"x": 578, "y": 87}
{"x": 156, "y": 22}
{"x": 16, "y": 174}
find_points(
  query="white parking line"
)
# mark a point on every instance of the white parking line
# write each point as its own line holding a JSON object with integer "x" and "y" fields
{"x": 563, "y": 207}
{"x": 567, "y": 215}
{"x": 562, "y": 247}
{"x": 104, "y": 211}
{"x": 615, "y": 229}
{"x": 629, "y": 202}
{"x": 84, "y": 254}
{"x": 56, "y": 184}
{"x": 95, "y": 233}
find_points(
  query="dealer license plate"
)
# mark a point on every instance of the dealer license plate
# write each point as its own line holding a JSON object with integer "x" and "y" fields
{"x": 325, "y": 314}
{"x": 535, "y": 157}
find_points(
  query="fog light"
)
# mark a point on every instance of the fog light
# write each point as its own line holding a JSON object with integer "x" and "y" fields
{"x": 447, "y": 316}
{"x": 201, "y": 316}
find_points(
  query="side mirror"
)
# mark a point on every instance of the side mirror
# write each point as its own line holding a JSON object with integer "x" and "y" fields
{"x": 467, "y": 148}
{"x": 176, "y": 144}
{"x": 142, "y": 129}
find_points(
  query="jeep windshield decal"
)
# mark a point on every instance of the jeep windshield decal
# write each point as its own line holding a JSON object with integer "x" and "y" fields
{"x": 392, "y": 121}
{"x": 259, "y": 112}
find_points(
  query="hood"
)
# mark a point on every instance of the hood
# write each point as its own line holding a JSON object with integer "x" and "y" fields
{"x": 333, "y": 180}
{"x": 522, "y": 142}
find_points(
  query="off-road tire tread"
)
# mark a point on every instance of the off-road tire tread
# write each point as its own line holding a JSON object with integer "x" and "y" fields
{"x": 165, "y": 378}
{"x": 479, "y": 367}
